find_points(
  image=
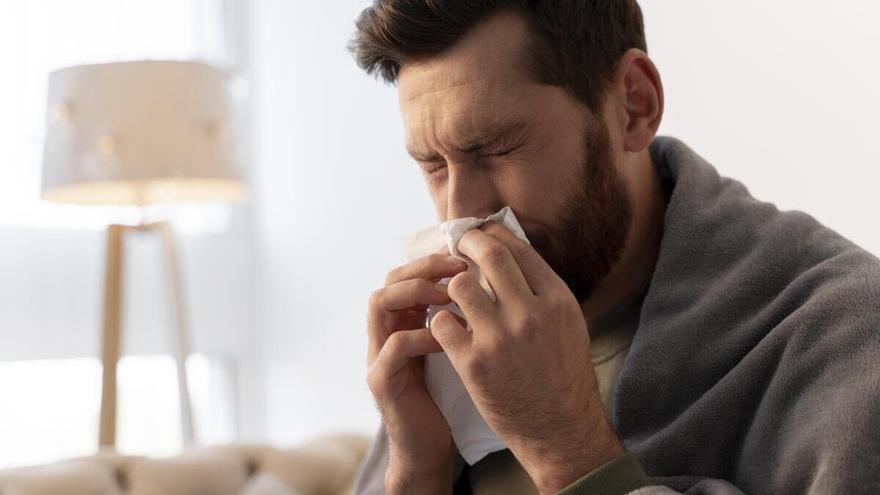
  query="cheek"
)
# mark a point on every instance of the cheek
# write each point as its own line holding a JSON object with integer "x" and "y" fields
{"x": 537, "y": 188}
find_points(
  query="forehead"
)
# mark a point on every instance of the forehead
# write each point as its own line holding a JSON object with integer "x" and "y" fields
{"x": 480, "y": 80}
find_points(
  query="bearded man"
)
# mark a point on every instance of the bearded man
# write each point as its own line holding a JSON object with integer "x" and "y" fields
{"x": 664, "y": 331}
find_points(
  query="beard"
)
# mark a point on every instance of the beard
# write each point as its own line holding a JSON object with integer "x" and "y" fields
{"x": 594, "y": 222}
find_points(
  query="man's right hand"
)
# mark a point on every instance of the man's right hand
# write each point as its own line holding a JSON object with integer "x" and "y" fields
{"x": 421, "y": 450}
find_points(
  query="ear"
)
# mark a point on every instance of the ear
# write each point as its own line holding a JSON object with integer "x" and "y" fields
{"x": 642, "y": 98}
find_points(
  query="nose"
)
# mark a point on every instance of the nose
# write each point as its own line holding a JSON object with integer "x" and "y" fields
{"x": 470, "y": 192}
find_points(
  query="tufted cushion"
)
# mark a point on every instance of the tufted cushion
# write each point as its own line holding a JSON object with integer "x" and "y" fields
{"x": 199, "y": 473}
{"x": 82, "y": 477}
{"x": 324, "y": 466}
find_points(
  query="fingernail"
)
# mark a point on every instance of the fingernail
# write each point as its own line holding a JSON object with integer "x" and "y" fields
{"x": 441, "y": 288}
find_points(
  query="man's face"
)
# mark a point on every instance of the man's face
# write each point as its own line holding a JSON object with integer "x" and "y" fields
{"x": 486, "y": 135}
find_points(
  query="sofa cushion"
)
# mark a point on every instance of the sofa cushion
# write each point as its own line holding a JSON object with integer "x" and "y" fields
{"x": 325, "y": 466}
{"x": 77, "y": 476}
{"x": 198, "y": 473}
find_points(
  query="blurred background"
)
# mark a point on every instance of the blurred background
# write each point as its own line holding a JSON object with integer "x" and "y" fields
{"x": 780, "y": 95}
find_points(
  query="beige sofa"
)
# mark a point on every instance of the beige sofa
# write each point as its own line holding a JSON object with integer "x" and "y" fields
{"x": 324, "y": 466}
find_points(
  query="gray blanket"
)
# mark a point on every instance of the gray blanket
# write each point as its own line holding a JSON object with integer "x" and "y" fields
{"x": 756, "y": 363}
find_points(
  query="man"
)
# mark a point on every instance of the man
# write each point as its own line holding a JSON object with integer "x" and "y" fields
{"x": 665, "y": 332}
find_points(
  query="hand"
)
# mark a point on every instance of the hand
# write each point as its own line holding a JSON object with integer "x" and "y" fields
{"x": 420, "y": 445}
{"x": 527, "y": 364}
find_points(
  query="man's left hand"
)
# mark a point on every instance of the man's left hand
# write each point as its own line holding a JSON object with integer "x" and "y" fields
{"x": 526, "y": 363}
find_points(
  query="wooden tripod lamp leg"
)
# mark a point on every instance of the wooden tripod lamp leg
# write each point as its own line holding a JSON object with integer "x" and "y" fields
{"x": 111, "y": 343}
{"x": 175, "y": 291}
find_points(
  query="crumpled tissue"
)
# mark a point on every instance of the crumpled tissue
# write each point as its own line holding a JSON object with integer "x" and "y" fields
{"x": 472, "y": 435}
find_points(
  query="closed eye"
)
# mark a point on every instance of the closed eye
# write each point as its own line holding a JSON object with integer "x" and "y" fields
{"x": 431, "y": 167}
{"x": 502, "y": 152}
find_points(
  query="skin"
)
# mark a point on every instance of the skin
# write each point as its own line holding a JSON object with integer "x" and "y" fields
{"x": 553, "y": 422}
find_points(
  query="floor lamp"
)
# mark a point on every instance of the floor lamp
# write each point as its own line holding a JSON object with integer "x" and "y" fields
{"x": 139, "y": 133}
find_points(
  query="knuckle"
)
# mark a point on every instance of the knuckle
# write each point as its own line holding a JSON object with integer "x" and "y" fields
{"x": 493, "y": 228}
{"x": 460, "y": 283}
{"x": 519, "y": 251}
{"x": 476, "y": 367}
{"x": 377, "y": 383}
{"x": 373, "y": 379}
{"x": 442, "y": 319}
{"x": 468, "y": 235}
{"x": 561, "y": 300}
{"x": 393, "y": 275}
{"x": 393, "y": 344}
{"x": 529, "y": 320}
{"x": 494, "y": 253}
{"x": 377, "y": 297}
{"x": 488, "y": 349}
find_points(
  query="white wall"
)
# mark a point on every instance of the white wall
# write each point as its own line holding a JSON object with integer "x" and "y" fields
{"x": 336, "y": 194}
{"x": 782, "y": 95}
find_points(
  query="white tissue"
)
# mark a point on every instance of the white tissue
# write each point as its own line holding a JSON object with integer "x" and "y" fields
{"x": 472, "y": 435}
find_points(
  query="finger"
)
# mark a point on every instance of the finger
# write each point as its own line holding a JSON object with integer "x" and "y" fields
{"x": 538, "y": 274}
{"x": 400, "y": 347}
{"x": 431, "y": 267}
{"x": 407, "y": 295}
{"x": 465, "y": 290}
{"x": 497, "y": 264}
{"x": 413, "y": 318}
{"x": 450, "y": 333}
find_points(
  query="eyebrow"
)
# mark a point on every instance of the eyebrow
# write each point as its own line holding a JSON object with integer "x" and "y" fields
{"x": 480, "y": 141}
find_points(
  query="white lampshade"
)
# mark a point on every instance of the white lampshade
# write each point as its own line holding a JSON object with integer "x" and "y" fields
{"x": 138, "y": 133}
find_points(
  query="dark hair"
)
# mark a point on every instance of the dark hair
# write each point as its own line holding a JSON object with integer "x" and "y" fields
{"x": 575, "y": 44}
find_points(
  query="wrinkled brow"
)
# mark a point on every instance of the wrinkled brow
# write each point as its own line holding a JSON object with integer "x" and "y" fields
{"x": 479, "y": 141}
